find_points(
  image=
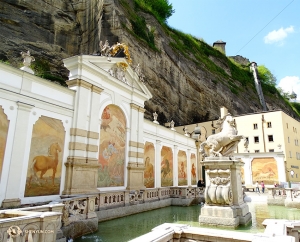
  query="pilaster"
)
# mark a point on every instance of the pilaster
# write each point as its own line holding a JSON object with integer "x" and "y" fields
{"x": 158, "y": 163}
{"x": 175, "y": 168}
{"x": 189, "y": 167}
{"x": 18, "y": 158}
{"x": 82, "y": 164}
{"x": 135, "y": 167}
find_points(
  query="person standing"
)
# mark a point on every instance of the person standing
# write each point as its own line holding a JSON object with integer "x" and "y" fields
{"x": 262, "y": 186}
{"x": 257, "y": 187}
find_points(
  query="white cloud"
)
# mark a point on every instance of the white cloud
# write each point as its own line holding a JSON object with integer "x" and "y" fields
{"x": 289, "y": 84}
{"x": 277, "y": 36}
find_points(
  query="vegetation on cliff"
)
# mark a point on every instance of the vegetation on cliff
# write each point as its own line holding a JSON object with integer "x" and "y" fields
{"x": 237, "y": 77}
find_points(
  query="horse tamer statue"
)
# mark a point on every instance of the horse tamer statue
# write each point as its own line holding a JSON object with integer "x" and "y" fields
{"x": 223, "y": 143}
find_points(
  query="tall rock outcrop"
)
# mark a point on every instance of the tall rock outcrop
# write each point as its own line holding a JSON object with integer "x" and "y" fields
{"x": 184, "y": 90}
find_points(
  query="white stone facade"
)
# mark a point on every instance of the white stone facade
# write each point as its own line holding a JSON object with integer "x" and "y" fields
{"x": 24, "y": 98}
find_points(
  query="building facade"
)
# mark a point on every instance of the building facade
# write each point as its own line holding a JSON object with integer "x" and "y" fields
{"x": 272, "y": 153}
{"x": 89, "y": 137}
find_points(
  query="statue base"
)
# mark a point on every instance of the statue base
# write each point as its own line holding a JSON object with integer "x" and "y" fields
{"x": 224, "y": 198}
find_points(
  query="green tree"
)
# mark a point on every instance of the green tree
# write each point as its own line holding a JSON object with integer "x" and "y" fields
{"x": 266, "y": 76}
{"x": 284, "y": 94}
{"x": 162, "y": 8}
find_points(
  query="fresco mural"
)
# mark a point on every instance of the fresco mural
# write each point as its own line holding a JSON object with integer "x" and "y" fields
{"x": 45, "y": 158}
{"x": 112, "y": 147}
{"x": 166, "y": 167}
{"x": 264, "y": 169}
{"x": 182, "y": 168}
{"x": 193, "y": 169}
{"x": 149, "y": 158}
{"x": 4, "y": 123}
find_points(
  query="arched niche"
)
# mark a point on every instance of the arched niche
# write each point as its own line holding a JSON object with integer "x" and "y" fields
{"x": 112, "y": 146}
{"x": 182, "y": 168}
{"x": 4, "y": 124}
{"x": 166, "y": 166}
{"x": 149, "y": 160}
{"x": 193, "y": 170}
{"x": 45, "y": 158}
{"x": 264, "y": 169}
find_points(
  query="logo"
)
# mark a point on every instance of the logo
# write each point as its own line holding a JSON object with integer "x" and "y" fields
{"x": 14, "y": 231}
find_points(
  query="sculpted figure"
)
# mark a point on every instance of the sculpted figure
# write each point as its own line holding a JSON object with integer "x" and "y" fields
{"x": 27, "y": 58}
{"x": 223, "y": 143}
{"x": 104, "y": 48}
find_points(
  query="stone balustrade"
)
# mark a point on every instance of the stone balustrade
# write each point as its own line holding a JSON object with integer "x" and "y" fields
{"x": 65, "y": 214}
{"x": 19, "y": 225}
{"x": 289, "y": 197}
{"x": 78, "y": 208}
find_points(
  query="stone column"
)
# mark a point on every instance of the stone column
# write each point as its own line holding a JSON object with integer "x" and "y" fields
{"x": 22, "y": 137}
{"x": 189, "y": 167}
{"x": 158, "y": 164}
{"x": 82, "y": 163}
{"x": 175, "y": 168}
{"x": 135, "y": 167}
{"x": 224, "y": 201}
{"x": 199, "y": 165}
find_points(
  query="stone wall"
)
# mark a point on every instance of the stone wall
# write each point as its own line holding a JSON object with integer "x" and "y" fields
{"x": 182, "y": 91}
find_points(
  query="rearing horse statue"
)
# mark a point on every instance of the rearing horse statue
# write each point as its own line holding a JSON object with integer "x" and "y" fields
{"x": 223, "y": 143}
{"x": 43, "y": 163}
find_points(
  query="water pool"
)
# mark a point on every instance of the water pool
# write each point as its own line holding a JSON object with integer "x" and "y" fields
{"x": 130, "y": 227}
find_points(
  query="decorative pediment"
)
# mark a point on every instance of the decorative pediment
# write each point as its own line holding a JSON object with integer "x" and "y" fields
{"x": 105, "y": 71}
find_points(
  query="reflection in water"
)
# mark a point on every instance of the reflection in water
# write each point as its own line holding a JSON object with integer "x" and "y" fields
{"x": 130, "y": 227}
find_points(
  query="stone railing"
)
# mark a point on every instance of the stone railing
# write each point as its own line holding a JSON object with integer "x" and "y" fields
{"x": 292, "y": 198}
{"x": 114, "y": 199}
{"x": 64, "y": 213}
{"x": 289, "y": 197}
{"x": 78, "y": 208}
{"x": 19, "y": 225}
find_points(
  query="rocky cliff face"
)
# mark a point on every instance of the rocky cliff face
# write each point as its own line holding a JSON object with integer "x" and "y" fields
{"x": 183, "y": 91}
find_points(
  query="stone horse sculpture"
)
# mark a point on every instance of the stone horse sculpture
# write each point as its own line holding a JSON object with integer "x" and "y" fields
{"x": 223, "y": 143}
{"x": 43, "y": 163}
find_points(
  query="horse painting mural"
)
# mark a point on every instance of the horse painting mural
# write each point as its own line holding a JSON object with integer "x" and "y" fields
{"x": 182, "y": 168}
{"x": 3, "y": 136}
{"x": 43, "y": 163}
{"x": 265, "y": 169}
{"x": 112, "y": 147}
{"x": 149, "y": 157}
{"x": 166, "y": 166}
{"x": 45, "y": 158}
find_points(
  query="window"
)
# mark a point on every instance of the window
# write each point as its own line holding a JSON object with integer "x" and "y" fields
{"x": 290, "y": 154}
{"x": 296, "y": 142}
{"x": 271, "y": 150}
{"x": 256, "y": 139}
{"x": 213, "y": 131}
{"x": 270, "y": 138}
{"x": 287, "y": 125}
{"x": 256, "y": 151}
{"x": 269, "y": 124}
{"x": 288, "y": 139}
{"x": 254, "y": 126}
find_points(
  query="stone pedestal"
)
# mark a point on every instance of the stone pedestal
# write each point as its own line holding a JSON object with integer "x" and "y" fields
{"x": 81, "y": 176}
{"x": 224, "y": 202}
{"x": 135, "y": 179}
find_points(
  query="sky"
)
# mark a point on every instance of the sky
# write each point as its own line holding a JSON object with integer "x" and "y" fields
{"x": 264, "y": 31}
